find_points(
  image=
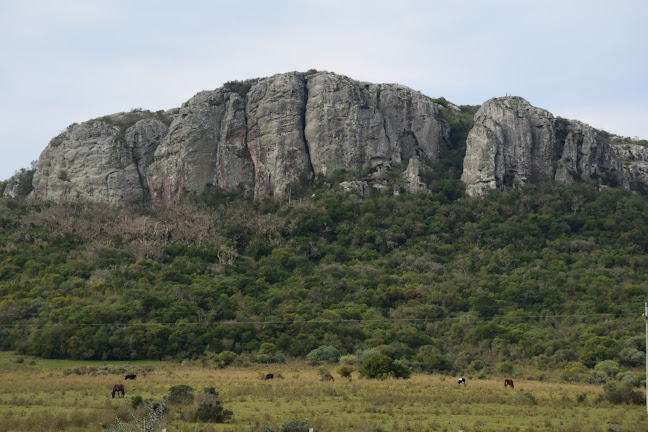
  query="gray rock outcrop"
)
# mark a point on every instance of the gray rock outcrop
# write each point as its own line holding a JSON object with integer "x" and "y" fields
{"x": 356, "y": 125}
{"x": 263, "y": 136}
{"x": 635, "y": 164}
{"x": 206, "y": 144}
{"x": 101, "y": 160}
{"x": 268, "y": 134}
{"x": 19, "y": 185}
{"x": 514, "y": 143}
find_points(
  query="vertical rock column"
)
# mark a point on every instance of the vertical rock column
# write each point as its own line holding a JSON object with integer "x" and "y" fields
{"x": 276, "y": 141}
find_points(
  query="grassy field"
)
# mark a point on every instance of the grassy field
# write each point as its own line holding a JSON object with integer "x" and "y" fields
{"x": 41, "y": 395}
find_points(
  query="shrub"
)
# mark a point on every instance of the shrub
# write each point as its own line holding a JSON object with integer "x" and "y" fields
{"x": 344, "y": 370}
{"x": 609, "y": 367}
{"x": 325, "y": 375}
{"x": 212, "y": 412}
{"x": 596, "y": 349}
{"x": 364, "y": 355}
{"x": 622, "y": 393}
{"x": 349, "y": 360}
{"x": 226, "y": 358}
{"x": 381, "y": 367}
{"x": 181, "y": 394}
{"x": 296, "y": 426}
{"x": 323, "y": 354}
{"x": 505, "y": 367}
{"x": 598, "y": 377}
{"x": 575, "y": 372}
{"x": 136, "y": 401}
{"x": 632, "y": 357}
{"x": 628, "y": 378}
{"x": 149, "y": 421}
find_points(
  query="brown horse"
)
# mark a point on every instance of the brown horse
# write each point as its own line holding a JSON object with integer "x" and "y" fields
{"x": 508, "y": 382}
{"x": 117, "y": 389}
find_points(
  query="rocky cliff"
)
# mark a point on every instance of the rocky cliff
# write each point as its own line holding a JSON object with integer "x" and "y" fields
{"x": 261, "y": 135}
{"x": 264, "y": 135}
{"x": 513, "y": 143}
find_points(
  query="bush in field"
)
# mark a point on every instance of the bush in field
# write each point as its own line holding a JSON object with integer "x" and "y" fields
{"x": 575, "y": 372}
{"x": 344, "y": 370}
{"x": 212, "y": 412}
{"x": 150, "y": 421}
{"x": 325, "y": 375}
{"x": 622, "y": 393}
{"x": 181, "y": 394}
{"x": 323, "y": 354}
{"x": 381, "y": 367}
{"x": 296, "y": 426}
{"x": 225, "y": 358}
{"x": 136, "y": 401}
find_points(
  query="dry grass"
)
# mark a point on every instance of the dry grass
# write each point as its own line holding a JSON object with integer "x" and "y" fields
{"x": 42, "y": 398}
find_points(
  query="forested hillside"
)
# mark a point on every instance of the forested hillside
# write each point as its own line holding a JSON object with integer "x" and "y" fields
{"x": 553, "y": 275}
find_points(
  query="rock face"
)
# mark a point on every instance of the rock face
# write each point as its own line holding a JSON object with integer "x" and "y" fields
{"x": 206, "y": 144}
{"x": 265, "y": 135}
{"x": 514, "y": 143}
{"x": 100, "y": 160}
{"x": 362, "y": 125}
{"x": 635, "y": 161}
{"x": 19, "y": 185}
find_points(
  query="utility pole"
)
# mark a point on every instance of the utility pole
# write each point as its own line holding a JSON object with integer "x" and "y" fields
{"x": 645, "y": 317}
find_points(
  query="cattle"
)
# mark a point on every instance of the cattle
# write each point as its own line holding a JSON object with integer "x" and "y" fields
{"x": 269, "y": 376}
{"x": 508, "y": 382}
{"x": 131, "y": 376}
{"x": 118, "y": 388}
{"x": 462, "y": 380}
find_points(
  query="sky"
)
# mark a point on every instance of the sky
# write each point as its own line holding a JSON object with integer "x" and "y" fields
{"x": 68, "y": 61}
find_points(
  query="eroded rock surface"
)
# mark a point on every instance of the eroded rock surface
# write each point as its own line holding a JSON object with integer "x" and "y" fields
{"x": 514, "y": 143}
{"x": 100, "y": 160}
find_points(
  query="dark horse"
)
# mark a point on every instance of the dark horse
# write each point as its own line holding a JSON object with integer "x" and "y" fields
{"x": 508, "y": 382}
{"x": 117, "y": 389}
{"x": 269, "y": 376}
{"x": 131, "y": 376}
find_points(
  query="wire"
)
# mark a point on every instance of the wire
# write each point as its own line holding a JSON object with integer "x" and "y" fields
{"x": 303, "y": 321}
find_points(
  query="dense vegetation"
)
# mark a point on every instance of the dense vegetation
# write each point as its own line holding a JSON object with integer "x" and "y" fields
{"x": 550, "y": 274}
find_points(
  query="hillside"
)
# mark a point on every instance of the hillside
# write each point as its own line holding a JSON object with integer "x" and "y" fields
{"x": 554, "y": 276}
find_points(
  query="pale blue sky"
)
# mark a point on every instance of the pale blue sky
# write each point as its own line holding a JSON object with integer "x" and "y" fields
{"x": 69, "y": 61}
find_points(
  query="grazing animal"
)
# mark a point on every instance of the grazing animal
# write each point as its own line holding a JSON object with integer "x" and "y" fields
{"x": 462, "y": 380}
{"x": 131, "y": 376}
{"x": 508, "y": 382}
{"x": 117, "y": 389}
{"x": 269, "y": 376}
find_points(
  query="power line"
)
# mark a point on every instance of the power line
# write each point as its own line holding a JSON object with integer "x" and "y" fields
{"x": 312, "y": 321}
